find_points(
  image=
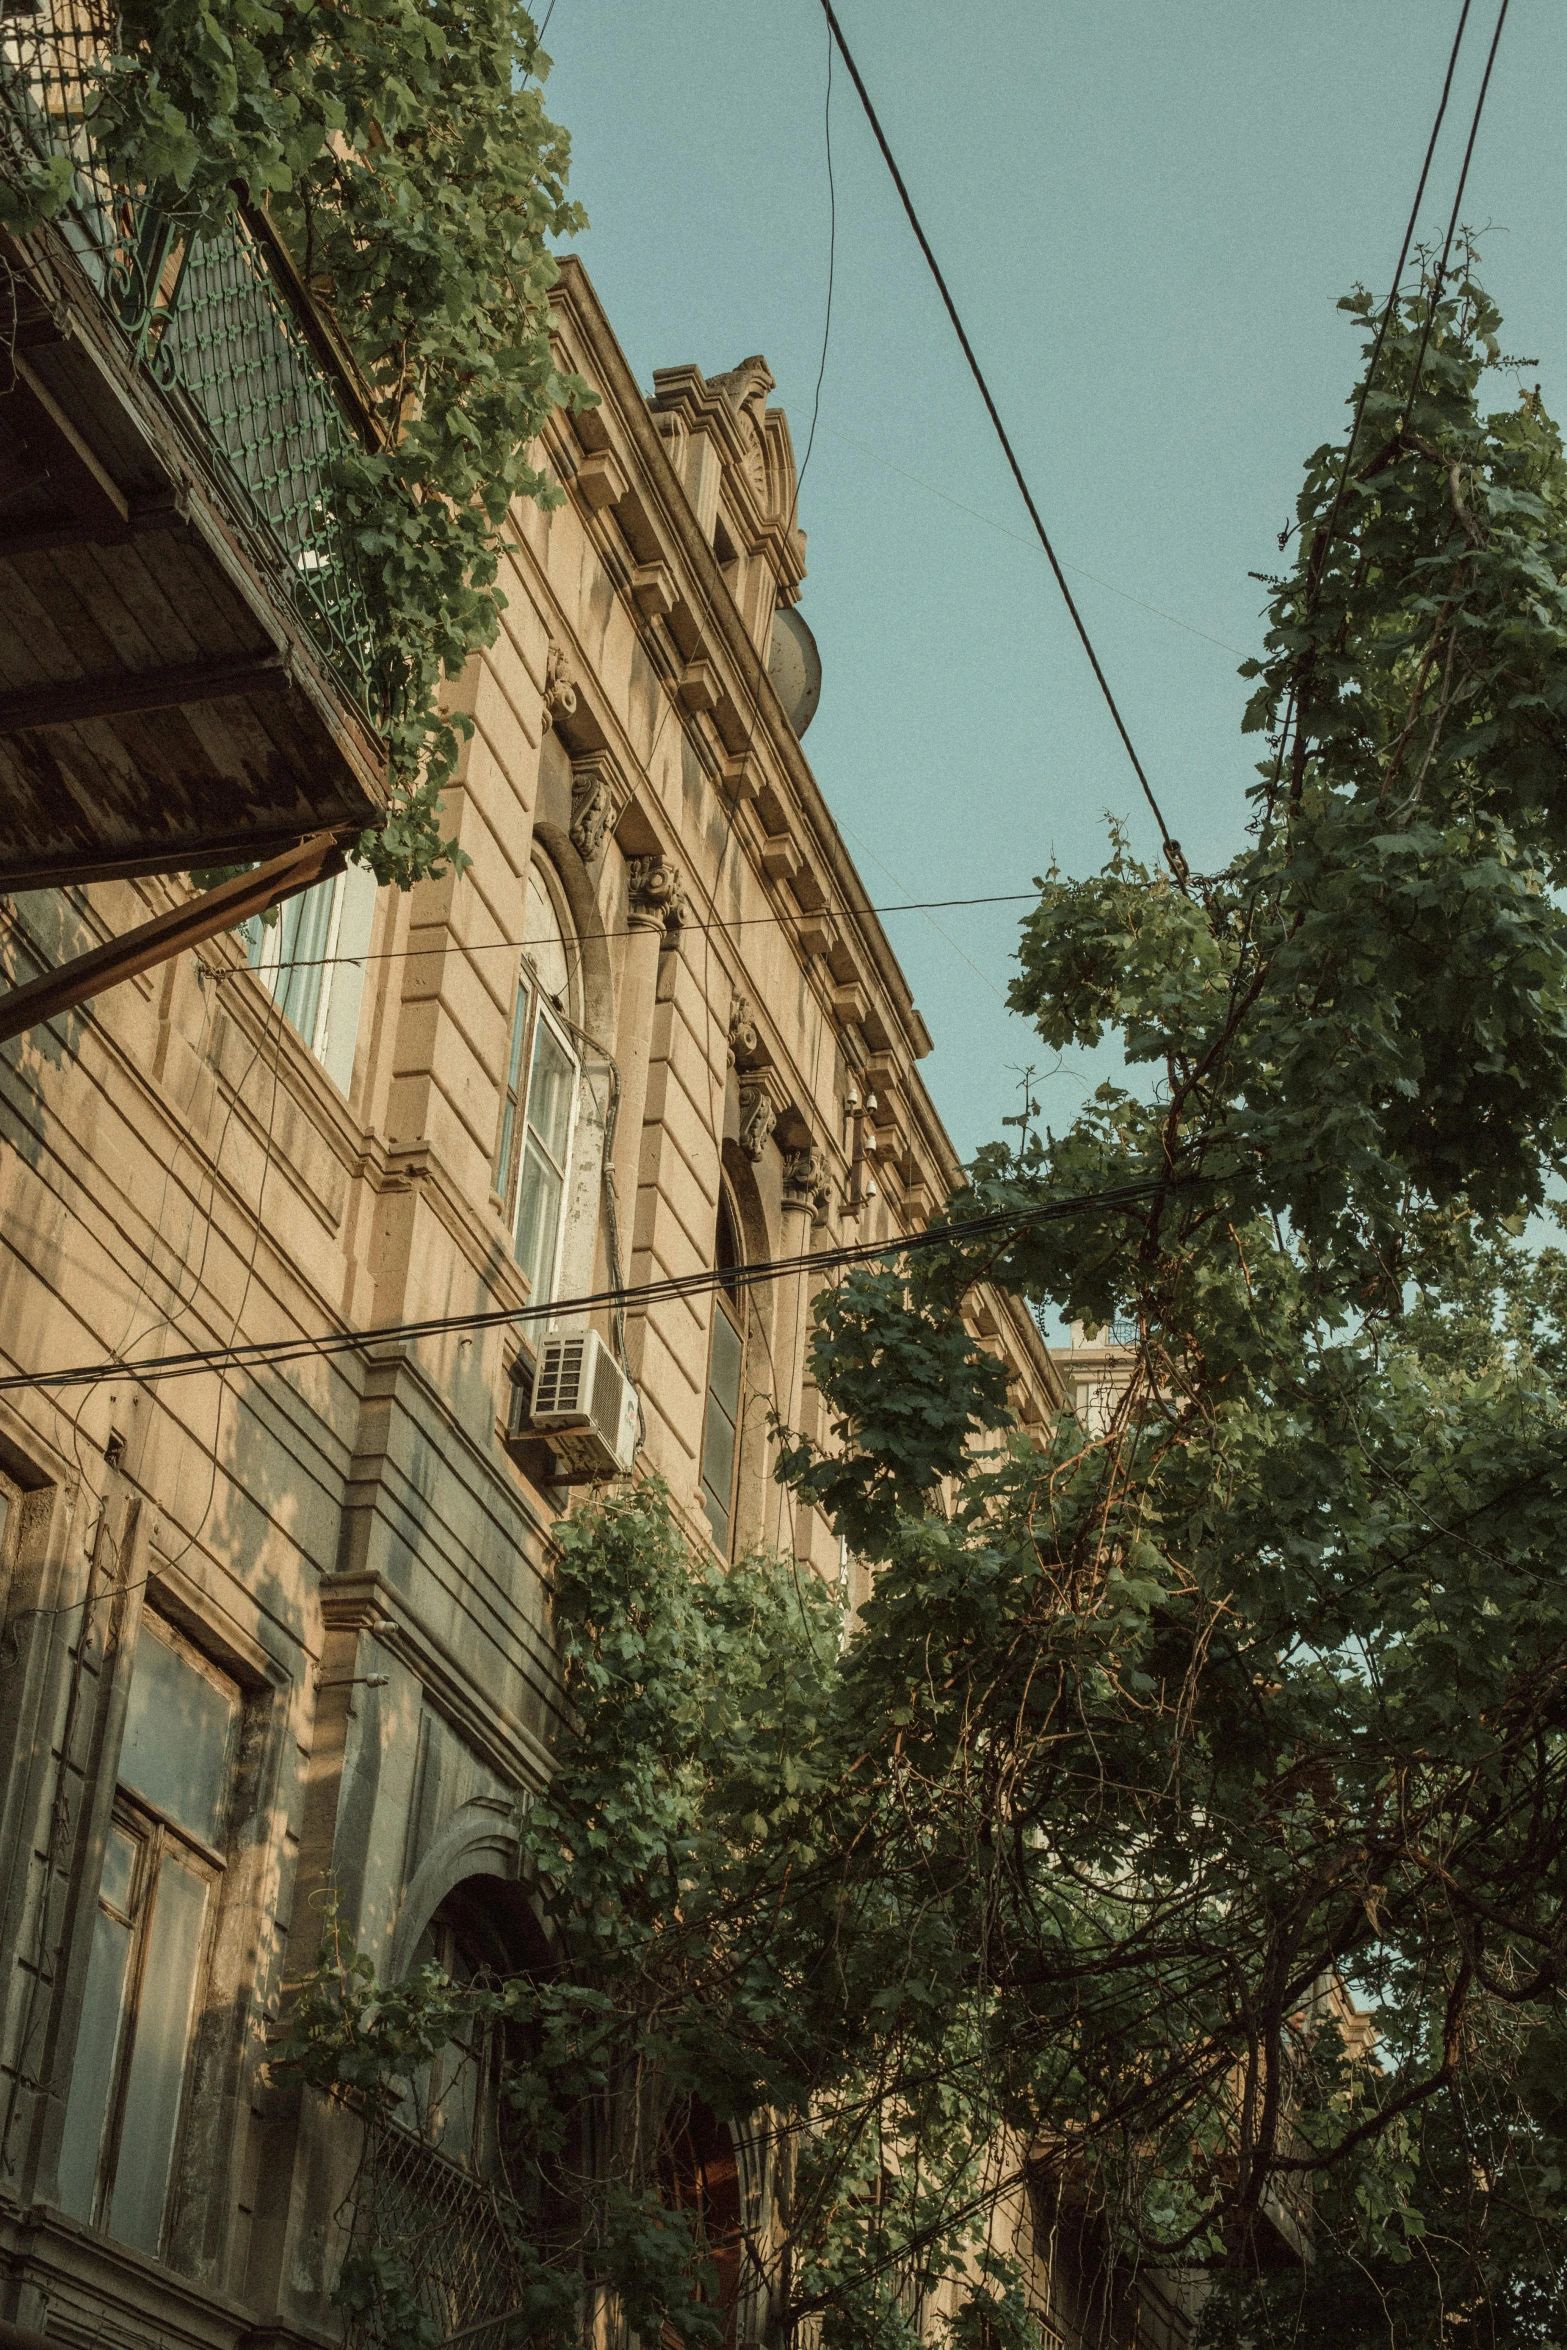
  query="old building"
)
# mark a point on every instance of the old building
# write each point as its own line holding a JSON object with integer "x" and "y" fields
{"x": 277, "y": 1628}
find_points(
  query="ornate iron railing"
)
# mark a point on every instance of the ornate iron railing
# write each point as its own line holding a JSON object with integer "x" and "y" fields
{"x": 214, "y": 320}
{"x": 443, "y": 2235}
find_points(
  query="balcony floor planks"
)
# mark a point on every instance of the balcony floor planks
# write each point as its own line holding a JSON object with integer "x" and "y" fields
{"x": 215, "y": 778}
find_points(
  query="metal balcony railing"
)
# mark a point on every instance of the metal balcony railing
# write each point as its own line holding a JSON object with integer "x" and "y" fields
{"x": 216, "y": 322}
{"x": 451, "y": 2239}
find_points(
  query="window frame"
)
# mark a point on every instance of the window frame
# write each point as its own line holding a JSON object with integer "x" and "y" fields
{"x": 264, "y": 948}
{"x": 731, "y": 1302}
{"x": 534, "y": 1008}
{"x": 158, "y": 1838}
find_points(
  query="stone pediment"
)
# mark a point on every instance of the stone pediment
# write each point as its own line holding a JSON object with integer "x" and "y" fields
{"x": 758, "y": 483}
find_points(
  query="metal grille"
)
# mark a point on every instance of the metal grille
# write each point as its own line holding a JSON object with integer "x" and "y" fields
{"x": 559, "y": 1384}
{"x": 208, "y": 318}
{"x": 455, "y": 2240}
{"x": 233, "y": 347}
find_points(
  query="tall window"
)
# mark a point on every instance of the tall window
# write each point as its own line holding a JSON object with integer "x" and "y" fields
{"x": 300, "y": 959}
{"x": 542, "y": 1069}
{"x": 456, "y": 2101}
{"x": 725, "y": 1381}
{"x": 157, "y": 1901}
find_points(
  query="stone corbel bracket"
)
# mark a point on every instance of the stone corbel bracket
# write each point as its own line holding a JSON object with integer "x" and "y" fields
{"x": 599, "y": 792}
{"x": 758, "y": 1116}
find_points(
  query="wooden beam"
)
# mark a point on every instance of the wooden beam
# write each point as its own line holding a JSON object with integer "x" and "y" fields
{"x": 95, "y": 492}
{"x": 67, "y": 701}
{"x": 223, "y": 908}
{"x": 49, "y": 538}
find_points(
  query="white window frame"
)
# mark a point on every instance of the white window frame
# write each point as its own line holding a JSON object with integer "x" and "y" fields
{"x": 332, "y": 1041}
{"x": 534, "y": 1005}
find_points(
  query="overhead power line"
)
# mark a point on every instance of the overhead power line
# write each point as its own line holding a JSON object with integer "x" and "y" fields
{"x": 268, "y": 1353}
{"x": 1172, "y": 847}
{"x": 486, "y": 946}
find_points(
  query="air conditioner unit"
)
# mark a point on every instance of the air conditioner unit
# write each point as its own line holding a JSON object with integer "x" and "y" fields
{"x": 580, "y": 1400}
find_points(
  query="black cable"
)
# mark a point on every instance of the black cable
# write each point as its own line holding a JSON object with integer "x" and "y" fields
{"x": 1172, "y": 847}
{"x": 1314, "y": 577}
{"x": 1439, "y": 275}
{"x": 486, "y": 946}
{"x": 832, "y": 272}
{"x": 270, "y": 1352}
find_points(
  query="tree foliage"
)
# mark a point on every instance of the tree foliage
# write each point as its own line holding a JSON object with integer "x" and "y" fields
{"x": 403, "y": 152}
{"x": 1045, "y": 1891}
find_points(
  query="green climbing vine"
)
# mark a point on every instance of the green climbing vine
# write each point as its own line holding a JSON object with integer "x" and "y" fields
{"x": 403, "y": 153}
{"x": 1033, "y": 1904}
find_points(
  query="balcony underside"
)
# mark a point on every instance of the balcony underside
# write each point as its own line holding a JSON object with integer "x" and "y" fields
{"x": 164, "y": 700}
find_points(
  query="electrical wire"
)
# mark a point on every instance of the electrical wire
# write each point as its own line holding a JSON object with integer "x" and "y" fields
{"x": 1315, "y": 574}
{"x": 255, "y": 1353}
{"x": 1172, "y": 847}
{"x": 484, "y": 946}
{"x": 1439, "y": 275}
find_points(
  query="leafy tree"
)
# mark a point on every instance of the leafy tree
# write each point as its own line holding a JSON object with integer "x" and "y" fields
{"x": 1036, "y": 1894}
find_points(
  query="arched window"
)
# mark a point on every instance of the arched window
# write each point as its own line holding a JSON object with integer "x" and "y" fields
{"x": 725, "y": 1385}
{"x": 455, "y": 2102}
{"x": 542, "y": 1069}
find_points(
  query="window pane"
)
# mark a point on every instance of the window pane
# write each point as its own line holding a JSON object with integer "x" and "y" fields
{"x": 345, "y": 981}
{"x": 549, "y": 1093}
{"x": 723, "y": 1413}
{"x": 176, "y": 1738}
{"x": 152, "y": 2092}
{"x": 97, "y": 2044}
{"x": 119, "y": 1870}
{"x": 538, "y": 1222}
{"x": 541, "y": 935}
{"x": 519, "y": 1030}
{"x": 306, "y": 920}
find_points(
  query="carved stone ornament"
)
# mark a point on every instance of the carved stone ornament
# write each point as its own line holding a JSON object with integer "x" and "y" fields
{"x": 657, "y": 899}
{"x": 757, "y": 1120}
{"x": 745, "y": 389}
{"x": 595, "y": 804}
{"x": 806, "y": 1184}
{"x": 560, "y": 686}
{"x": 743, "y": 1039}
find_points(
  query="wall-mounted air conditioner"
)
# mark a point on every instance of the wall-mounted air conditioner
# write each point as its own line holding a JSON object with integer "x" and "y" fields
{"x": 581, "y": 1402}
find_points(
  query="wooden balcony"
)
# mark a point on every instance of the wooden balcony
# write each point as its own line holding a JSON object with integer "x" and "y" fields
{"x": 187, "y": 672}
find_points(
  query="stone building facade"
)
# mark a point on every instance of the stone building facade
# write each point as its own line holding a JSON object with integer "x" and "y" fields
{"x": 276, "y": 1631}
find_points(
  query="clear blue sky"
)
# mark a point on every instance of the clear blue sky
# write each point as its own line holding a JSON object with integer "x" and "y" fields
{"x": 1147, "y": 210}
